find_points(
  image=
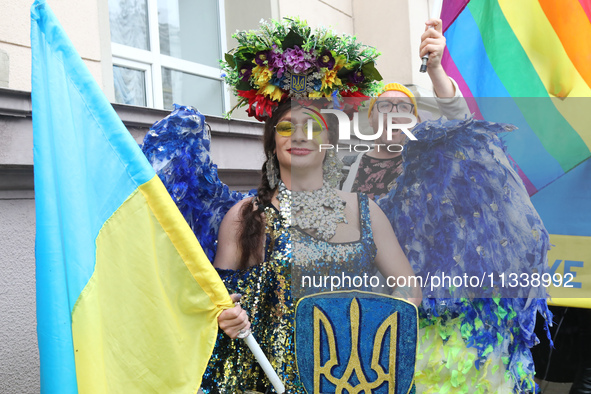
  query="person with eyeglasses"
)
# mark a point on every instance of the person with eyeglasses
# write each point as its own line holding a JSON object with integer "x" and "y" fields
{"x": 374, "y": 172}
{"x": 297, "y": 223}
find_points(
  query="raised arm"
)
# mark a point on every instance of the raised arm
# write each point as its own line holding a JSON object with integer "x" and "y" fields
{"x": 448, "y": 96}
{"x": 390, "y": 259}
{"x": 433, "y": 43}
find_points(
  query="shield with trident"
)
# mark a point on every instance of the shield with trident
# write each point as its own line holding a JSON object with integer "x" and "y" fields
{"x": 356, "y": 342}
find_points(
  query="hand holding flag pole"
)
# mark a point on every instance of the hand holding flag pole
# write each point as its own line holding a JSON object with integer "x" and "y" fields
{"x": 435, "y": 13}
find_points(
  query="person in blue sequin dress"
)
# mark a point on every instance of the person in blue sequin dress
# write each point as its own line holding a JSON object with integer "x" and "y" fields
{"x": 260, "y": 256}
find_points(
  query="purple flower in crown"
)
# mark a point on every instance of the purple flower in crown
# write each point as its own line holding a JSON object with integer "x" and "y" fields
{"x": 356, "y": 77}
{"x": 276, "y": 63}
{"x": 298, "y": 60}
{"x": 326, "y": 60}
{"x": 245, "y": 71}
{"x": 261, "y": 57}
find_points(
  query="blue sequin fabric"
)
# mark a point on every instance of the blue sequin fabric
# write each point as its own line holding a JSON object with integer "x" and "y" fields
{"x": 266, "y": 296}
{"x": 340, "y": 260}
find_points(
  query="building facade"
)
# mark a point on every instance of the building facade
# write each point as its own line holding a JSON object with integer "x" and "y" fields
{"x": 146, "y": 55}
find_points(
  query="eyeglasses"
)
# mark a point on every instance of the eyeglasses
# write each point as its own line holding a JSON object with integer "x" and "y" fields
{"x": 286, "y": 128}
{"x": 387, "y": 106}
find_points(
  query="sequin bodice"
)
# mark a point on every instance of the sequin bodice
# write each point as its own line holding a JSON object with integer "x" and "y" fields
{"x": 268, "y": 297}
{"x": 315, "y": 259}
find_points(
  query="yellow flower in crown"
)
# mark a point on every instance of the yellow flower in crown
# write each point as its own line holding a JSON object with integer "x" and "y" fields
{"x": 273, "y": 92}
{"x": 261, "y": 75}
{"x": 330, "y": 79}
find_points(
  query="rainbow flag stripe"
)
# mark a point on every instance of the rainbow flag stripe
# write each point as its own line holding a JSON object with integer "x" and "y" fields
{"x": 528, "y": 63}
{"x": 526, "y": 49}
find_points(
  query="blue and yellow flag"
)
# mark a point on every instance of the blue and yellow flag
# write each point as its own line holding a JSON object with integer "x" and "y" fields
{"x": 127, "y": 302}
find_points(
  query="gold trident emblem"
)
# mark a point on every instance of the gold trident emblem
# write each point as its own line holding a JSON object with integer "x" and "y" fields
{"x": 354, "y": 364}
{"x": 298, "y": 83}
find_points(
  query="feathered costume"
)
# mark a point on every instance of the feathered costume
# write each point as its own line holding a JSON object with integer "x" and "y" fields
{"x": 178, "y": 147}
{"x": 460, "y": 209}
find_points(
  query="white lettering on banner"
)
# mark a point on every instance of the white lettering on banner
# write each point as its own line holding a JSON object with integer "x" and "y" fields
{"x": 361, "y": 148}
{"x": 345, "y": 125}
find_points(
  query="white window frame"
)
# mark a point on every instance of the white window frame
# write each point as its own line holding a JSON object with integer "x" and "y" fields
{"x": 147, "y": 76}
{"x": 152, "y": 61}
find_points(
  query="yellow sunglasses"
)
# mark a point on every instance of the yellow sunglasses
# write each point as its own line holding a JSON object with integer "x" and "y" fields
{"x": 286, "y": 128}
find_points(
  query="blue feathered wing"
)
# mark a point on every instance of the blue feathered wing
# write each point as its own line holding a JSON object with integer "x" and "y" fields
{"x": 459, "y": 209}
{"x": 178, "y": 147}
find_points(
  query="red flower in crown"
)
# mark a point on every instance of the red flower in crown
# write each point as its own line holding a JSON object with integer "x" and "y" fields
{"x": 259, "y": 106}
{"x": 361, "y": 98}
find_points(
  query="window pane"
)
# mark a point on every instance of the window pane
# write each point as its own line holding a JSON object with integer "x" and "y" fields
{"x": 130, "y": 86}
{"x": 129, "y": 23}
{"x": 190, "y": 30}
{"x": 205, "y": 94}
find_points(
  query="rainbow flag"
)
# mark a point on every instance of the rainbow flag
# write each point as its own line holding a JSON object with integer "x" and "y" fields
{"x": 528, "y": 63}
{"x": 127, "y": 301}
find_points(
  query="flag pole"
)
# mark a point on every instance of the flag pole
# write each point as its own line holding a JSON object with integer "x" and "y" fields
{"x": 264, "y": 363}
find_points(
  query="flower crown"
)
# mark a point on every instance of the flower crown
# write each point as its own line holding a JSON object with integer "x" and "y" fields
{"x": 288, "y": 59}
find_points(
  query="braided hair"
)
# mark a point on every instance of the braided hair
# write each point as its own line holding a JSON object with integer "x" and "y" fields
{"x": 253, "y": 224}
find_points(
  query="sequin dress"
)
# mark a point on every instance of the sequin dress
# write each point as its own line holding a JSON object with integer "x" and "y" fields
{"x": 269, "y": 298}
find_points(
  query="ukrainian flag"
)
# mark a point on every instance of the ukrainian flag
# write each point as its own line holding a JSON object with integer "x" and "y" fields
{"x": 127, "y": 301}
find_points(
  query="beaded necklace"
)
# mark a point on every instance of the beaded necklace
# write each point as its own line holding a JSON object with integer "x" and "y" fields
{"x": 317, "y": 210}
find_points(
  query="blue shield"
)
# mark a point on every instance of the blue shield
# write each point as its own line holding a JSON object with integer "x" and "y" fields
{"x": 356, "y": 342}
{"x": 299, "y": 83}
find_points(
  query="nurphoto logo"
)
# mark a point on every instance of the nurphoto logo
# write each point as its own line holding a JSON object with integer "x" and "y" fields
{"x": 394, "y": 122}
